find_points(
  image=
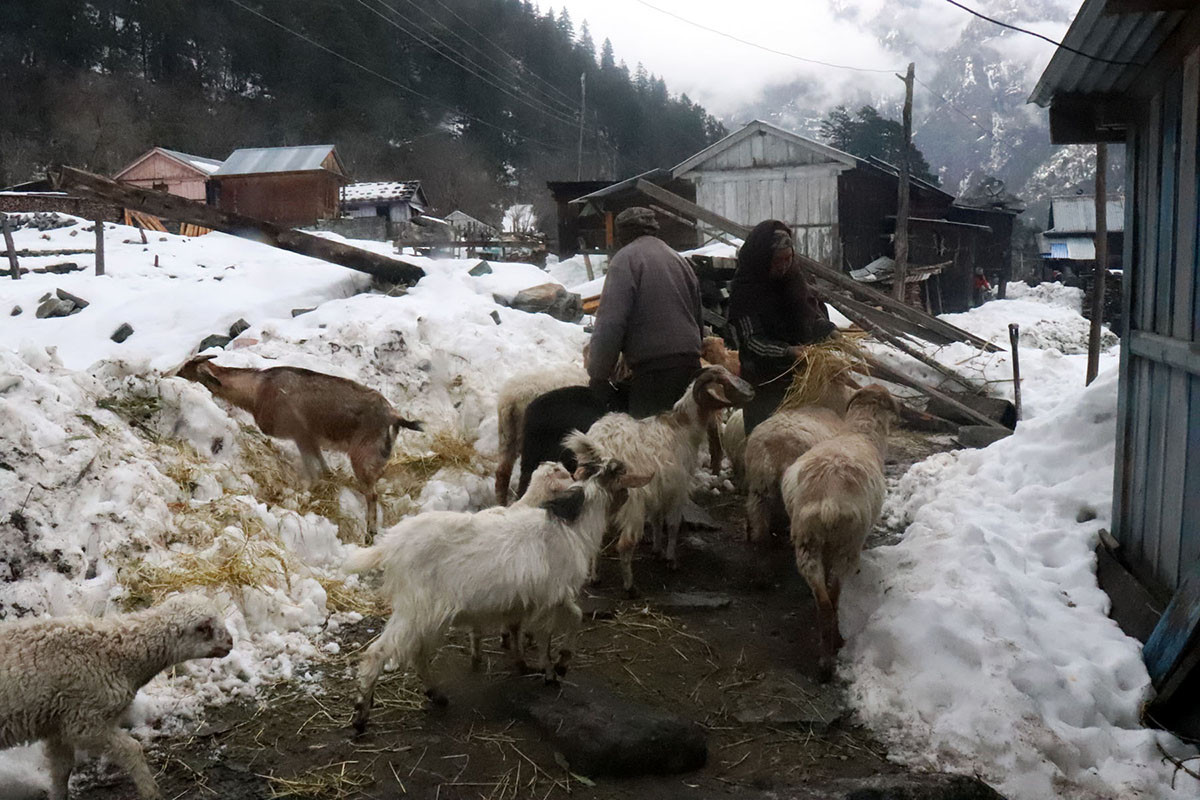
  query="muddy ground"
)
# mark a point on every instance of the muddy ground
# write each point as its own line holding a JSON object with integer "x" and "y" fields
{"x": 743, "y": 670}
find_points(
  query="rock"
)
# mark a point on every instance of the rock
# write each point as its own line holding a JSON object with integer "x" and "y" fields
{"x": 238, "y": 328}
{"x": 482, "y": 268}
{"x": 495, "y": 315}
{"x": 697, "y": 517}
{"x": 16, "y": 311}
{"x": 601, "y": 734}
{"x": 552, "y": 299}
{"x": 298, "y": 311}
{"x": 54, "y": 307}
{"x": 78, "y": 301}
{"x": 62, "y": 268}
{"x": 981, "y": 435}
{"x": 44, "y": 297}
{"x": 122, "y": 333}
{"x": 214, "y": 340}
{"x": 691, "y": 601}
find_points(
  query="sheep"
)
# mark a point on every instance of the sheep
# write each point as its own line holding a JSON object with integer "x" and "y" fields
{"x": 515, "y": 396}
{"x": 69, "y": 680}
{"x": 665, "y": 446}
{"x": 484, "y": 570}
{"x": 313, "y": 410}
{"x": 550, "y": 417}
{"x": 733, "y": 441}
{"x": 833, "y": 495}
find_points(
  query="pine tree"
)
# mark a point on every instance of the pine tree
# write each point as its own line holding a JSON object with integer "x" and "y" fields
{"x": 565, "y": 27}
{"x": 867, "y": 133}
{"x": 586, "y": 45}
{"x": 607, "y": 57}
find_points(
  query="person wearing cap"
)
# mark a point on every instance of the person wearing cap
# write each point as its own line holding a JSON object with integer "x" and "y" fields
{"x": 649, "y": 312}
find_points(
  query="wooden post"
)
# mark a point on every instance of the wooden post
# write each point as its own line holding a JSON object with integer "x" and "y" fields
{"x": 582, "y": 112}
{"x": 1014, "y": 334}
{"x": 99, "y": 246}
{"x": 902, "y": 205}
{"x": 13, "y": 267}
{"x": 1101, "y": 270}
{"x": 609, "y": 233}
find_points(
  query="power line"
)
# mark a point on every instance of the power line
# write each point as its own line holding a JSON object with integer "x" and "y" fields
{"x": 471, "y": 67}
{"x": 759, "y": 46}
{"x": 1043, "y": 38}
{"x": 566, "y": 100}
{"x": 396, "y": 83}
{"x": 953, "y": 107}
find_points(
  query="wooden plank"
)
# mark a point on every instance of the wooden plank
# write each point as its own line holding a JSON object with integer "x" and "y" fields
{"x": 1175, "y": 353}
{"x": 99, "y": 228}
{"x": 1157, "y": 435}
{"x": 1148, "y": 267}
{"x": 14, "y": 269}
{"x": 1134, "y": 607}
{"x": 1165, "y": 271}
{"x": 1187, "y": 212}
{"x": 1174, "y": 469}
{"x": 181, "y": 209}
{"x": 1189, "y": 548}
{"x": 1176, "y": 636}
{"x": 1135, "y": 171}
{"x": 895, "y": 323}
{"x": 689, "y": 208}
{"x": 879, "y": 369}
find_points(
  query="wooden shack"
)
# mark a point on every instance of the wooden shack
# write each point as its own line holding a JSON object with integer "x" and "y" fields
{"x": 1147, "y": 97}
{"x": 170, "y": 171}
{"x": 597, "y": 211}
{"x": 291, "y": 186}
{"x": 1068, "y": 245}
{"x": 395, "y": 201}
{"x": 571, "y": 229}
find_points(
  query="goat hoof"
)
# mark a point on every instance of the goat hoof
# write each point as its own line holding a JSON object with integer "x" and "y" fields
{"x": 632, "y": 592}
{"x": 550, "y": 678}
{"x": 436, "y": 698}
{"x": 673, "y": 564}
{"x": 360, "y": 720}
{"x": 521, "y": 668}
{"x": 476, "y": 663}
{"x": 560, "y": 669}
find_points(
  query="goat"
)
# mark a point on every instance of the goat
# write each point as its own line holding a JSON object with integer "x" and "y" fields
{"x": 484, "y": 570}
{"x": 666, "y": 447}
{"x": 733, "y": 441}
{"x": 550, "y": 417}
{"x": 713, "y": 352}
{"x": 69, "y": 680}
{"x": 313, "y": 410}
{"x": 833, "y": 495}
{"x": 515, "y": 396}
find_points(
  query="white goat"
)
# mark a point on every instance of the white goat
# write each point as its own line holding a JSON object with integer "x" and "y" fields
{"x": 515, "y": 396}
{"x": 834, "y": 494}
{"x": 484, "y": 570}
{"x": 666, "y": 447}
{"x": 733, "y": 441}
{"x": 69, "y": 680}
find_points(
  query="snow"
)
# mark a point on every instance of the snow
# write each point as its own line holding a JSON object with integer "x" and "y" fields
{"x": 979, "y": 643}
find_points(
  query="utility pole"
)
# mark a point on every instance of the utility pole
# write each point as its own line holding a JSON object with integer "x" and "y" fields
{"x": 1101, "y": 269}
{"x": 902, "y": 205}
{"x": 582, "y": 114}
{"x": 99, "y": 245}
{"x": 13, "y": 268}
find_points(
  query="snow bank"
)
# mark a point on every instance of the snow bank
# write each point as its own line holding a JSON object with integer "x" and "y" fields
{"x": 980, "y": 643}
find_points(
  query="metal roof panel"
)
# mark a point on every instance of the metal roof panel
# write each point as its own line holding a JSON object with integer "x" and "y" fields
{"x": 258, "y": 160}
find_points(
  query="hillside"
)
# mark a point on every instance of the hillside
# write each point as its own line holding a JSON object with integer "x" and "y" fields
{"x": 478, "y": 98}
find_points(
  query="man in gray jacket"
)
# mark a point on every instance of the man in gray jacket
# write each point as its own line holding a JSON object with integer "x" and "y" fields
{"x": 650, "y": 311}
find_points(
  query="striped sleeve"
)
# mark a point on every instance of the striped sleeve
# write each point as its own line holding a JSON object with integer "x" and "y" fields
{"x": 747, "y": 334}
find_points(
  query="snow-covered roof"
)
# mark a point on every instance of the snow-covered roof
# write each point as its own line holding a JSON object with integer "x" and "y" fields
{"x": 1077, "y": 214}
{"x": 258, "y": 160}
{"x": 209, "y": 165}
{"x": 380, "y": 191}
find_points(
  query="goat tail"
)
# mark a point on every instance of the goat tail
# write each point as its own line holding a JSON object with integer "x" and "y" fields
{"x": 364, "y": 559}
{"x": 584, "y": 448}
{"x": 399, "y": 422}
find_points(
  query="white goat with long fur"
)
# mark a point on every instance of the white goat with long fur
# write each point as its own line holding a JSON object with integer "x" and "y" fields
{"x": 69, "y": 680}
{"x": 515, "y": 396}
{"x": 666, "y": 447}
{"x": 733, "y": 442}
{"x": 483, "y": 570}
{"x": 833, "y": 495}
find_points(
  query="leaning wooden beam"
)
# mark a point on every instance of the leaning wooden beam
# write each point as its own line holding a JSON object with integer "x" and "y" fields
{"x": 817, "y": 269}
{"x": 881, "y": 370}
{"x": 881, "y": 333}
{"x": 180, "y": 209}
{"x": 890, "y": 321}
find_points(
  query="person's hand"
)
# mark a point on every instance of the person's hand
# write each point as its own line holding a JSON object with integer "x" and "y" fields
{"x": 798, "y": 352}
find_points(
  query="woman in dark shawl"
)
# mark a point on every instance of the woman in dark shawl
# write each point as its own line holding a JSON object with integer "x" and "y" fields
{"x": 772, "y": 313}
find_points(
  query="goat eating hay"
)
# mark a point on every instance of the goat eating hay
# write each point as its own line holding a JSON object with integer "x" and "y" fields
{"x": 824, "y": 364}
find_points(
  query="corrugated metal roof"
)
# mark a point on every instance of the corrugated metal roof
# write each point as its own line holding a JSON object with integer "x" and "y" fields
{"x": 1128, "y": 37}
{"x": 1078, "y": 215}
{"x": 1075, "y": 248}
{"x": 209, "y": 165}
{"x": 379, "y": 191}
{"x": 657, "y": 175}
{"x": 257, "y": 160}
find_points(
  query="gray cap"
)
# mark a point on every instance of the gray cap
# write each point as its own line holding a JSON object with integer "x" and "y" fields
{"x": 638, "y": 216}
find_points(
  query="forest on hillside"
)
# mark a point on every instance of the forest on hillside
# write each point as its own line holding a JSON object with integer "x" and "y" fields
{"x": 480, "y": 99}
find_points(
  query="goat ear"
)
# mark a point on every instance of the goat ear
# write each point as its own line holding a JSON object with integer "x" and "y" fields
{"x": 566, "y": 506}
{"x": 716, "y": 390}
{"x": 634, "y": 481}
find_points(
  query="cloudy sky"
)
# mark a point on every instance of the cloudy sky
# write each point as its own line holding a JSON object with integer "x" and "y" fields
{"x": 724, "y": 75}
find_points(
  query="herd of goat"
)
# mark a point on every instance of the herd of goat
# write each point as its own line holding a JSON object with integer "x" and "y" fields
{"x": 518, "y": 568}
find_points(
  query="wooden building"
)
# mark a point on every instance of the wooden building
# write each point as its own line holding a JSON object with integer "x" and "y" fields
{"x": 170, "y": 171}
{"x": 290, "y": 186}
{"x": 1149, "y": 101}
{"x": 1068, "y": 246}
{"x": 396, "y": 201}
{"x": 571, "y": 230}
{"x": 598, "y": 210}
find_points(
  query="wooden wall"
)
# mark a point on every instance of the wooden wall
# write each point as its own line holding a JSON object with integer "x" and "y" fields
{"x": 288, "y": 198}
{"x": 1157, "y": 484}
{"x": 166, "y": 174}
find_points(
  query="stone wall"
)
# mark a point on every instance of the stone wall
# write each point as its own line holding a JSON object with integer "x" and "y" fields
{"x": 11, "y": 202}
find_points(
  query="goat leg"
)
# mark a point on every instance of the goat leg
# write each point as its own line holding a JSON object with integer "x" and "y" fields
{"x": 673, "y": 523}
{"x": 61, "y": 756}
{"x": 476, "y": 638}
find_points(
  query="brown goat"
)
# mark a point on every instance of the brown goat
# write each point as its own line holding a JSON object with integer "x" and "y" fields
{"x": 314, "y": 410}
{"x": 713, "y": 352}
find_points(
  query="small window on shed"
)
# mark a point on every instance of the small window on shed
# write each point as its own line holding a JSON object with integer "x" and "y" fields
{"x": 381, "y": 211}
{"x": 159, "y": 187}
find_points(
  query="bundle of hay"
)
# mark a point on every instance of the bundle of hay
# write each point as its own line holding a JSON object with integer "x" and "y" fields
{"x": 824, "y": 364}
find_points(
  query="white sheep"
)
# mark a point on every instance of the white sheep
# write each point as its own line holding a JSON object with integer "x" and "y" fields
{"x": 69, "y": 680}
{"x": 515, "y": 396}
{"x": 733, "y": 442}
{"x": 833, "y": 495}
{"x": 666, "y": 447}
{"x": 485, "y": 569}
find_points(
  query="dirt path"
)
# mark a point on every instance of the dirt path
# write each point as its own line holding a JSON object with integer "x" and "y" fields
{"x": 728, "y": 641}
